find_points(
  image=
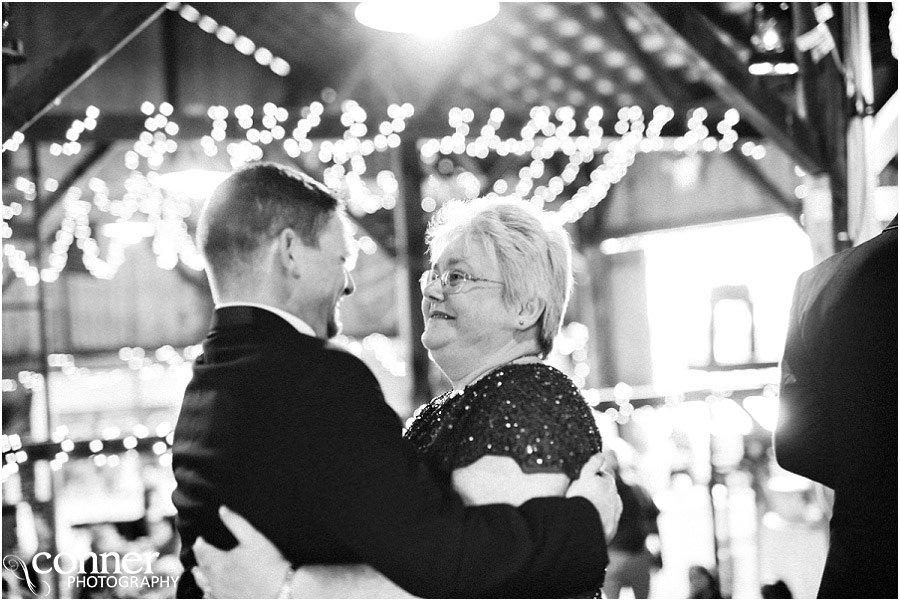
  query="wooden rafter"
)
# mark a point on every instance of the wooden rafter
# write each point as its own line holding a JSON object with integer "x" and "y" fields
{"x": 730, "y": 79}
{"x": 753, "y": 171}
{"x": 884, "y": 134}
{"x": 660, "y": 85}
{"x": 315, "y": 54}
{"x": 87, "y": 161}
{"x": 45, "y": 85}
{"x": 323, "y": 46}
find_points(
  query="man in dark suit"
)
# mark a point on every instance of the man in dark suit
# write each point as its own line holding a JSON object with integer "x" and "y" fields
{"x": 838, "y": 417}
{"x": 293, "y": 432}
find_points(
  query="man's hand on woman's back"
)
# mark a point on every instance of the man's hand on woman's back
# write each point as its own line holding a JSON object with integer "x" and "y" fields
{"x": 598, "y": 486}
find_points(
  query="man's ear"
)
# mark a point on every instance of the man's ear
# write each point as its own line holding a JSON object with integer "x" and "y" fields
{"x": 529, "y": 313}
{"x": 288, "y": 251}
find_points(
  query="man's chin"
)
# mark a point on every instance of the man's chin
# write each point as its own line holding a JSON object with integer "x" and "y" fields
{"x": 333, "y": 326}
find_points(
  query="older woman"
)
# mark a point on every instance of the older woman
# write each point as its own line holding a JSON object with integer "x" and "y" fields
{"x": 512, "y": 428}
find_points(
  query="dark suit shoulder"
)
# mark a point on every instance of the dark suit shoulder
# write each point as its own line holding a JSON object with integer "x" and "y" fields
{"x": 853, "y": 260}
{"x": 342, "y": 358}
{"x": 326, "y": 374}
{"x": 342, "y": 368}
{"x": 870, "y": 269}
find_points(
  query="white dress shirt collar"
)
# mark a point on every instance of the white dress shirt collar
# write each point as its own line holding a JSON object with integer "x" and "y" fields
{"x": 300, "y": 325}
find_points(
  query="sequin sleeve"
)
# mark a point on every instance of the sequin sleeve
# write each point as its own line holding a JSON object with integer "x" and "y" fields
{"x": 532, "y": 413}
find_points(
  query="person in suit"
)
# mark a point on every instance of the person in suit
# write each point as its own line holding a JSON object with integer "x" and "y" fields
{"x": 837, "y": 420}
{"x": 292, "y": 432}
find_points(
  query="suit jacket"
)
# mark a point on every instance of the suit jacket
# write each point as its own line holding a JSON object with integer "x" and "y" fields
{"x": 293, "y": 433}
{"x": 838, "y": 416}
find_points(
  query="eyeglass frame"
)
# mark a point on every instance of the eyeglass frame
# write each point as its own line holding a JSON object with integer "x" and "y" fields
{"x": 425, "y": 280}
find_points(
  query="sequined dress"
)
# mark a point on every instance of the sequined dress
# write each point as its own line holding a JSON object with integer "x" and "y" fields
{"x": 530, "y": 412}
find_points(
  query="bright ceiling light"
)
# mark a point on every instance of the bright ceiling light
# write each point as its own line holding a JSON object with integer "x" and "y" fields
{"x": 128, "y": 232}
{"x": 425, "y": 17}
{"x": 196, "y": 184}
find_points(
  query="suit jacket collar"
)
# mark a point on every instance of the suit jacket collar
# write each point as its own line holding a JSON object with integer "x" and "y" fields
{"x": 254, "y": 317}
{"x": 300, "y": 325}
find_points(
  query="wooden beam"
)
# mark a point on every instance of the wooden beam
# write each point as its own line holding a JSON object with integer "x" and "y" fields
{"x": 884, "y": 133}
{"x": 325, "y": 46}
{"x": 679, "y": 222}
{"x": 171, "y": 57}
{"x": 757, "y": 175}
{"x": 87, "y": 161}
{"x": 8, "y": 277}
{"x": 591, "y": 228}
{"x": 660, "y": 84}
{"x": 46, "y": 85}
{"x": 730, "y": 79}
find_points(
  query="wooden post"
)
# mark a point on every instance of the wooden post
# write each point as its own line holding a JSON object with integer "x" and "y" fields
{"x": 171, "y": 58}
{"x": 409, "y": 226}
{"x": 42, "y": 418}
{"x": 594, "y": 283}
{"x": 822, "y": 94}
{"x": 818, "y": 221}
{"x": 599, "y": 318}
{"x": 729, "y": 78}
{"x": 862, "y": 223}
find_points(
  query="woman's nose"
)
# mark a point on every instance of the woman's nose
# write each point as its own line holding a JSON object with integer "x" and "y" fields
{"x": 433, "y": 290}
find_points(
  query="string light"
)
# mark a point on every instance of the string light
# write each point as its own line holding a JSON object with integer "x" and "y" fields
{"x": 103, "y": 453}
{"x": 230, "y": 37}
{"x": 14, "y": 142}
{"x": 619, "y": 405}
{"x": 161, "y": 214}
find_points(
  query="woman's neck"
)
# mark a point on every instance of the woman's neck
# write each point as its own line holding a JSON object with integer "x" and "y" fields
{"x": 464, "y": 375}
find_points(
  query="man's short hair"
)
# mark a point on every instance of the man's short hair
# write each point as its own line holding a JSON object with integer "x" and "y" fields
{"x": 253, "y": 206}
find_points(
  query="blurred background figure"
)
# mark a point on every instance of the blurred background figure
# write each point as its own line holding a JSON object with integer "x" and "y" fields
{"x": 104, "y": 539}
{"x": 631, "y": 560}
{"x": 703, "y": 583}
{"x": 776, "y": 590}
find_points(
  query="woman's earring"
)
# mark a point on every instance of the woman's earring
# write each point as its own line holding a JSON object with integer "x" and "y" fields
{"x": 521, "y": 322}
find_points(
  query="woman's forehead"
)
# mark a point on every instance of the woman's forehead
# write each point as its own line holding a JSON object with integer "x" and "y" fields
{"x": 466, "y": 248}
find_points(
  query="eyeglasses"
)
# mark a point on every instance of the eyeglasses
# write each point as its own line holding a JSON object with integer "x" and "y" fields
{"x": 451, "y": 281}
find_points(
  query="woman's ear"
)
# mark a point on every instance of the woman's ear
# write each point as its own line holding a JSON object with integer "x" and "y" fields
{"x": 529, "y": 313}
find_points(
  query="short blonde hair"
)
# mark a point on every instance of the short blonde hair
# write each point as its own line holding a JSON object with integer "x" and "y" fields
{"x": 532, "y": 250}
